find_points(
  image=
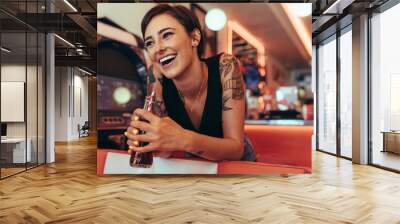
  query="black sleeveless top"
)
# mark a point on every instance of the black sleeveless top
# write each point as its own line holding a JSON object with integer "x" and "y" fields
{"x": 211, "y": 120}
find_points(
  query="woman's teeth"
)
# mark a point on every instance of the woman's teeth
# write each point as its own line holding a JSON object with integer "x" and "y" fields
{"x": 167, "y": 59}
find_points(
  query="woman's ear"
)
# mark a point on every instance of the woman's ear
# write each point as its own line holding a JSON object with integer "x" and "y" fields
{"x": 196, "y": 37}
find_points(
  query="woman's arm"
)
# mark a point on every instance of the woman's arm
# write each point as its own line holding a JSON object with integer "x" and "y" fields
{"x": 166, "y": 135}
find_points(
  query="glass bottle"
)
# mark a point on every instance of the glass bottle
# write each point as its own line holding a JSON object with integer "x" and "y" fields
{"x": 144, "y": 159}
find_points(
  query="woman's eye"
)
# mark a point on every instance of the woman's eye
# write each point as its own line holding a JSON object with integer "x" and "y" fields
{"x": 167, "y": 35}
{"x": 148, "y": 44}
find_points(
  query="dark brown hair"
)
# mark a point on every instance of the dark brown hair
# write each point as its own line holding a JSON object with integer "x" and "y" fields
{"x": 183, "y": 15}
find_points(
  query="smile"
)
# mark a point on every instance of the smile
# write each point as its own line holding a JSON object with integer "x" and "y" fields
{"x": 167, "y": 60}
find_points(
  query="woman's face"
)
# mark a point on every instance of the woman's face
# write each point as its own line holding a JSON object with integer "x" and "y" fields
{"x": 169, "y": 45}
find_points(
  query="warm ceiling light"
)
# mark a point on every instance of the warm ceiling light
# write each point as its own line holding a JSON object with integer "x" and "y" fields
{"x": 300, "y": 9}
{"x": 5, "y": 50}
{"x": 215, "y": 19}
{"x": 299, "y": 26}
{"x": 236, "y": 27}
{"x": 65, "y": 41}
{"x": 70, "y": 5}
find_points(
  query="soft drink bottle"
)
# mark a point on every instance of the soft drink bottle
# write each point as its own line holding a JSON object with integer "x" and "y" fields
{"x": 145, "y": 159}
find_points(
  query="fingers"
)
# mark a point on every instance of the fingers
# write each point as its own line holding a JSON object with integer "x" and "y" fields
{"x": 132, "y": 130}
{"x": 140, "y": 125}
{"x": 139, "y": 138}
{"x": 146, "y": 115}
{"x": 135, "y": 118}
{"x": 148, "y": 148}
{"x": 132, "y": 143}
{"x": 133, "y": 135}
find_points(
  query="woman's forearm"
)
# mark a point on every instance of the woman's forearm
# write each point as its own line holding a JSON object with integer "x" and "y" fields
{"x": 212, "y": 148}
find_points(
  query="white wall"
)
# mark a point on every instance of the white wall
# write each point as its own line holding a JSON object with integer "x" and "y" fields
{"x": 33, "y": 127}
{"x": 71, "y": 94}
{"x": 81, "y": 95}
{"x": 12, "y": 73}
{"x": 61, "y": 103}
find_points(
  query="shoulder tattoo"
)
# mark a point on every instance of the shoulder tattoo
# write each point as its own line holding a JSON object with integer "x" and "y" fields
{"x": 228, "y": 64}
{"x": 233, "y": 80}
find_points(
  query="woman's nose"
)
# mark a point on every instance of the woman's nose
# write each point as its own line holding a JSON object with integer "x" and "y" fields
{"x": 159, "y": 47}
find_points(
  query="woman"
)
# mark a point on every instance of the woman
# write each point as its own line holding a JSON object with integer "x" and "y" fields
{"x": 204, "y": 99}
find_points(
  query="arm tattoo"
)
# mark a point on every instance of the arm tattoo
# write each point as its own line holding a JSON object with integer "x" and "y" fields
{"x": 224, "y": 101}
{"x": 235, "y": 83}
{"x": 228, "y": 64}
{"x": 230, "y": 69}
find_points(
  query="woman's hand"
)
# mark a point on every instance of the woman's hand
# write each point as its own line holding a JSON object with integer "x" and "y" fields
{"x": 163, "y": 134}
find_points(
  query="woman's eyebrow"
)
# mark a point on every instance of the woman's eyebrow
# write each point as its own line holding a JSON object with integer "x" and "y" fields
{"x": 160, "y": 31}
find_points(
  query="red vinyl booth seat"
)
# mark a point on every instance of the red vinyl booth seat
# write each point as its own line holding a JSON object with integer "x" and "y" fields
{"x": 284, "y": 145}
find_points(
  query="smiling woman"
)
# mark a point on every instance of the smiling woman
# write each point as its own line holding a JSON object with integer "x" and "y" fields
{"x": 204, "y": 98}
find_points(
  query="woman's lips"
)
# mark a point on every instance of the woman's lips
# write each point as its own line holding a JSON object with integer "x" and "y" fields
{"x": 168, "y": 61}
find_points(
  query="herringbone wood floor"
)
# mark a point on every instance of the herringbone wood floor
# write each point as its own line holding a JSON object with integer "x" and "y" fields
{"x": 69, "y": 191}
